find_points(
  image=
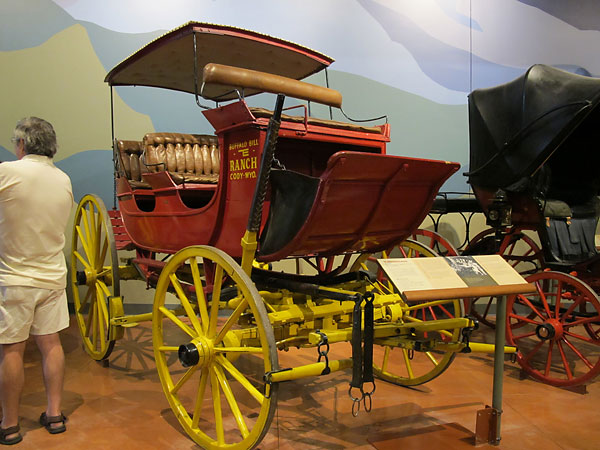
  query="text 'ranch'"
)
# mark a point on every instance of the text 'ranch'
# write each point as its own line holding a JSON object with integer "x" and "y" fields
{"x": 243, "y": 165}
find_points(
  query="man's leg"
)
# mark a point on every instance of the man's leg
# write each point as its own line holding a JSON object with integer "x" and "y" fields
{"x": 53, "y": 366}
{"x": 12, "y": 377}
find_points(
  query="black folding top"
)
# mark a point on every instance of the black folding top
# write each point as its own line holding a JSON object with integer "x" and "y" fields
{"x": 545, "y": 115}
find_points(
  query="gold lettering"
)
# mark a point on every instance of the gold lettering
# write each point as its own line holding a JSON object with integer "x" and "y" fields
{"x": 244, "y": 164}
{"x": 238, "y": 145}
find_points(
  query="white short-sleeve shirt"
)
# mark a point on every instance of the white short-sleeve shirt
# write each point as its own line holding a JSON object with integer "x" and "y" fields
{"x": 35, "y": 203}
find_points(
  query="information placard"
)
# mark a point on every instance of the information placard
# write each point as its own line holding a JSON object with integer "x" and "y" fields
{"x": 462, "y": 276}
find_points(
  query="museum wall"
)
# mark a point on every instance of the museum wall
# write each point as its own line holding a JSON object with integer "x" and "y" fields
{"x": 412, "y": 61}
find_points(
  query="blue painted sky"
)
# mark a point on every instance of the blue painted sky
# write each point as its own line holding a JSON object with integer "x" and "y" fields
{"x": 425, "y": 48}
{"x": 414, "y": 61}
{"x": 583, "y": 14}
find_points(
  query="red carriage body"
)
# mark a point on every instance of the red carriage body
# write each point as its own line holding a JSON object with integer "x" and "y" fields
{"x": 345, "y": 193}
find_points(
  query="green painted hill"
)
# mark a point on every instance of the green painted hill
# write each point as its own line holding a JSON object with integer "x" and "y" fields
{"x": 61, "y": 80}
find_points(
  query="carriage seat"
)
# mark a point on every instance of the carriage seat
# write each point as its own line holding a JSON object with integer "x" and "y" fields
{"x": 571, "y": 229}
{"x": 130, "y": 153}
{"x": 189, "y": 158}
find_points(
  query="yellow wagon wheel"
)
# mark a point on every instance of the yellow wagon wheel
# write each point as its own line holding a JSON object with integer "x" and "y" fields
{"x": 409, "y": 366}
{"x": 94, "y": 275}
{"x": 217, "y": 325}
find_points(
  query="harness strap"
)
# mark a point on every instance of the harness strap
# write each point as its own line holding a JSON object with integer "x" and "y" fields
{"x": 362, "y": 352}
{"x": 367, "y": 376}
{"x": 357, "y": 356}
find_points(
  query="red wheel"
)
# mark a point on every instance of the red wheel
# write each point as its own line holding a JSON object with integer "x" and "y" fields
{"x": 435, "y": 241}
{"x": 406, "y": 249}
{"x": 518, "y": 249}
{"x": 552, "y": 328}
{"x": 593, "y": 329}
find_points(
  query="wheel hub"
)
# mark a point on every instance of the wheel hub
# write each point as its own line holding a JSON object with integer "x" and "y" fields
{"x": 198, "y": 352}
{"x": 87, "y": 276}
{"x": 81, "y": 278}
{"x": 551, "y": 329}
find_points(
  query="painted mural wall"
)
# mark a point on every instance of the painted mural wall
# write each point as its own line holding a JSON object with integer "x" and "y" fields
{"x": 412, "y": 60}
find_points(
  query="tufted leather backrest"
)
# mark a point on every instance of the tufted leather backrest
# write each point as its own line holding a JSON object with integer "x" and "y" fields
{"x": 193, "y": 157}
{"x": 130, "y": 153}
{"x": 189, "y": 158}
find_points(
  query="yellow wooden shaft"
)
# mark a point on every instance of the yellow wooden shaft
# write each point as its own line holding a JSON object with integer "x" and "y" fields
{"x": 131, "y": 319}
{"x": 440, "y": 324}
{"x": 479, "y": 347}
{"x": 249, "y": 246}
{"x": 476, "y": 347}
{"x": 310, "y": 370}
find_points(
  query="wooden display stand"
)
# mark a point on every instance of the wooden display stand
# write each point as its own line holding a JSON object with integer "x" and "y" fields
{"x": 441, "y": 278}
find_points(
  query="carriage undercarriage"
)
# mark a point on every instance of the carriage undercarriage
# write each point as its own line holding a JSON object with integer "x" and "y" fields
{"x": 243, "y": 322}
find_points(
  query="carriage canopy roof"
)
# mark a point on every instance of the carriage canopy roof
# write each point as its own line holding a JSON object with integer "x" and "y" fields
{"x": 516, "y": 127}
{"x": 174, "y": 61}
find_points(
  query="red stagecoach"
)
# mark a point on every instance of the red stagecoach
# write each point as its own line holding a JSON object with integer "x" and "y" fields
{"x": 202, "y": 219}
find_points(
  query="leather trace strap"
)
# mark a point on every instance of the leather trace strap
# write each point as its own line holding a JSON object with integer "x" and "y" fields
{"x": 369, "y": 331}
{"x": 362, "y": 352}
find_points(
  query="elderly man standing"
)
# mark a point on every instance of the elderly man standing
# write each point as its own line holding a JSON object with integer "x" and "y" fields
{"x": 35, "y": 202}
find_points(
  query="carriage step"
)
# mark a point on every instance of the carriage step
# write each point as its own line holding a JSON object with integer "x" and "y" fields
{"x": 122, "y": 239}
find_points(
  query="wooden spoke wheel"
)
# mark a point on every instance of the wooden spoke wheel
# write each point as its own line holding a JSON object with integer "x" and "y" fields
{"x": 434, "y": 241}
{"x": 410, "y": 367}
{"x": 208, "y": 312}
{"x": 519, "y": 250}
{"x": 94, "y": 275}
{"x": 409, "y": 248}
{"x": 556, "y": 330}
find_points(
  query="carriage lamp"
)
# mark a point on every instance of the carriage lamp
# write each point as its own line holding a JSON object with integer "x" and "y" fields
{"x": 499, "y": 211}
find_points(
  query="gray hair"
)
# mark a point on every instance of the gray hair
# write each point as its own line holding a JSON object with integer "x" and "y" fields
{"x": 38, "y": 136}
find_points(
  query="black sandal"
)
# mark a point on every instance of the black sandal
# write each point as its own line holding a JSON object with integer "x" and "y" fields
{"x": 47, "y": 421}
{"x": 7, "y": 432}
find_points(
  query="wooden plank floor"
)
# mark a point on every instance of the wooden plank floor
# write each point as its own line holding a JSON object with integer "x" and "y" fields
{"x": 121, "y": 406}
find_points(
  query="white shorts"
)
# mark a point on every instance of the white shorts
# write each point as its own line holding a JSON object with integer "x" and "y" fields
{"x": 28, "y": 310}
